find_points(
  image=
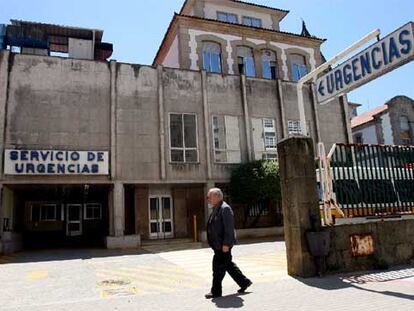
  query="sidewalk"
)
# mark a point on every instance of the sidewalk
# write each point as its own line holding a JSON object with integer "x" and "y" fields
{"x": 178, "y": 281}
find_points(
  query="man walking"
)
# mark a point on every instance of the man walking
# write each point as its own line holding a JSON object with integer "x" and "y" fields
{"x": 221, "y": 238}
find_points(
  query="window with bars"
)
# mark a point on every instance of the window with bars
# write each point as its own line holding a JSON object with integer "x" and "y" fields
{"x": 183, "y": 138}
{"x": 264, "y": 139}
{"x": 294, "y": 127}
{"x": 226, "y": 139}
{"x": 260, "y": 208}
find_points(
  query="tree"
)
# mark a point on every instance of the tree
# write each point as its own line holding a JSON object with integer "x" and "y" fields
{"x": 255, "y": 181}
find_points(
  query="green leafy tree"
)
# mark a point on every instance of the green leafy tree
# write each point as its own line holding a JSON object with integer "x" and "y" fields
{"x": 255, "y": 181}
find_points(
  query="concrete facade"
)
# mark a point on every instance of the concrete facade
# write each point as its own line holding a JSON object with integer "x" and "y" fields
{"x": 67, "y": 104}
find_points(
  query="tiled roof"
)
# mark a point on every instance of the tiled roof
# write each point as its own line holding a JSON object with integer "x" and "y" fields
{"x": 367, "y": 116}
{"x": 261, "y": 6}
{"x": 259, "y": 28}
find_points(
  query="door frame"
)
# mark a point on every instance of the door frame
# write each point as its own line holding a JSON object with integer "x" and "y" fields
{"x": 160, "y": 233}
{"x": 74, "y": 233}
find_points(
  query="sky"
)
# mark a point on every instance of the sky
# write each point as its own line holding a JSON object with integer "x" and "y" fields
{"x": 136, "y": 28}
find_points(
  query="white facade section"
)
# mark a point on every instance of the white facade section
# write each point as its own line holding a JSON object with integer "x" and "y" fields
{"x": 387, "y": 129}
{"x": 229, "y": 38}
{"x": 369, "y": 134}
{"x": 172, "y": 59}
{"x": 193, "y": 47}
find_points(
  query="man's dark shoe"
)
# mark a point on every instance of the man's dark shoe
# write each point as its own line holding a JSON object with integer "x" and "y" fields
{"x": 243, "y": 288}
{"x": 211, "y": 296}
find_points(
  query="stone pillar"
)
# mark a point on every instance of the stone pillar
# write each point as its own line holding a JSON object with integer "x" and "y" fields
{"x": 119, "y": 209}
{"x": 299, "y": 201}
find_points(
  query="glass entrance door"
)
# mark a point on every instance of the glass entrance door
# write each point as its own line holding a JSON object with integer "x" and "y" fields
{"x": 160, "y": 217}
{"x": 73, "y": 219}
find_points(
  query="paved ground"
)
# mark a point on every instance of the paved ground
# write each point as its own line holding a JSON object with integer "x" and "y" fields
{"x": 177, "y": 280}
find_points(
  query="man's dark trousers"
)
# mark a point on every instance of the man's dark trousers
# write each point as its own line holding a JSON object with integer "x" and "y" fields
{"x": 222, "y": 263}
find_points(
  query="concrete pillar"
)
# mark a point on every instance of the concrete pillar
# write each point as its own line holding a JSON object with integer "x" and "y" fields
{"x": 119, "y": 209}
{"x": 315, "y": 113}
{"x": 4, "y": 85}
{"x": 161, "y": 113}
{"x": 113, "y": 67}
{"x": 246, "y": 118}
{"x": 299, "y": 201}
{"x": 206, "y": 112}
{"x": 282, "y": 109}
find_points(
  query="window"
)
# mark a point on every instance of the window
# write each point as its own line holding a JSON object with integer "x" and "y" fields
{"x": 226, "y": 139}
{"x": 227, "y": 17}
{"x": 48, "y": 212}
{"x": 264, "y": 139}
{"x": 183, "y": 138}
{"x": 405, "y": 130}
{"x": 269, "y": 66}
{"x": 93, "y": 211}
{"x": 259, "y": 209}
{"x": 299, "y": 68}
{"x": 212, "y": 57}
{"x": 251, "y": 21}
{"x": 294, "y": 127}
{"x": 358, "y": 138}
{"x": 246, "y": 61}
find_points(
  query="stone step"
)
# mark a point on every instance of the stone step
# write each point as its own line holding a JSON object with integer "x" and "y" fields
{"x": 166, "y": 242}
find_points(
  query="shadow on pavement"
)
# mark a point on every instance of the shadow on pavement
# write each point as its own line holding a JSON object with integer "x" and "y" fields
{"x": 229, "y": 301}
{"x": 356, "y": 281}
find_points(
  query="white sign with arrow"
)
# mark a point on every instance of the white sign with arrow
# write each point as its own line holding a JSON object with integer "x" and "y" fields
{"x": 391, "y": 52}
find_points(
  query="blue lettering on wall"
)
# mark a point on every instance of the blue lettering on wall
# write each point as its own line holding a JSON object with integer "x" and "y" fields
{"x": 30, "y": 168}
{"x": 44, "y": 155}
{"x": 71, "y": 168}
{"x": 85, "y": 169}
{"x": 34, "y": 156}
{"x": 19, "y": 168}
{"x": 51, "y": 168}
{"x": 59, "y": 156}
{"x": 61, "y": 168}
{"x": 338, "y": 80}
{"x": 75, "y": 156}
{"x": 41, "y": 168}
{"x": 91, "y": 156}
{"x": 14, "y": 155}
{"x": 406, "y": 43}
{"x": 100, "y": 156}
{"x": 23, "y": 155}
{"x": 95, "y": 168}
